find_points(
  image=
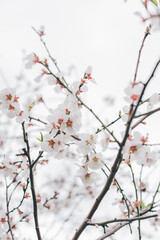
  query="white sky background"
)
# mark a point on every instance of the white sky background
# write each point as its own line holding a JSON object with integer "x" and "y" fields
{"x": 102, "y": 33}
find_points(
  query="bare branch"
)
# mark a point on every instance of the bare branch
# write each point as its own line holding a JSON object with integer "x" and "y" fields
{"x": 139, "y": 55}
{"x": 120, "y": 225}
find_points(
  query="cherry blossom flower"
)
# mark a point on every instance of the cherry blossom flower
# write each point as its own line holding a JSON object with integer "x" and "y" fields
{"x": 22, "y": 116}
{"x": 143, "y": 187}
{"x": 41, "y": 31}
{"x": 8, "y": 97}
{"x": 120, "y": 203}
{"x": 136, "y": 203}
{"x": 88, "y": 73}
{"x": 95, "y": 161}
{"x": 125, "y": 116}
{"x": 31, "y": 60}
{"x": 105, "y": 141}
{"x": 136, "y": 150}
{"x": 56, "y": 81}
{"x": 51, "y": 80}
{"x": 86, "y": 144}
{"x": 82, "y": 89}
{"x": 65, "y": 118}
{"x": 2, "y": 139}
{"x": 87, "y": 177}
{"x": 75, "y": 87}
{"x": 133, "y": 93}
{"x": 3, "y": 223}
{"x": 39, "y": 77}
{"x": 154, "y": 99}
{"x": 146, "y": 157}
{"x": 9, "y": 102}
{"x": 54, "y": 146}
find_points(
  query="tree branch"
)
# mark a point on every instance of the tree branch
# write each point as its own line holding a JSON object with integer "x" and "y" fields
{"x": 116, "y": 164}
{"x": 120, "y": 225}
{"x": 31, "y": 176}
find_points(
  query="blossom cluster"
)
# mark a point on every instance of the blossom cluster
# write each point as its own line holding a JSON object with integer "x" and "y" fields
{"x": 136, "y": 149}
{"x": 9, "y": 102}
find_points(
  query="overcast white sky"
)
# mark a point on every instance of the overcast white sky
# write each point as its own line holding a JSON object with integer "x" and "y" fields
{"x": 102, "y": 33}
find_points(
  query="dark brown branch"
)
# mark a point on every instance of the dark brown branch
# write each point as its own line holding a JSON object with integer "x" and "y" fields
{"x": 35, "y": 161}
{"x": 148, "y": 113}
{"x": 31, "y": 176}
{"x": 37, "y": 119}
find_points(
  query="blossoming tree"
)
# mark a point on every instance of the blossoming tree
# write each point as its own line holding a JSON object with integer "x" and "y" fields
{"x": 57, "y": 173}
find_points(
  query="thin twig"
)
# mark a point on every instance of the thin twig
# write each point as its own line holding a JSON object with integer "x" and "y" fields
{"x": 8, "y": 218}
{"x": 137, "y": 207}
{"x": 129, "y": 220}
{"x": 37, "y": 159}
{"x": 140, "y": 182}
{"x": 120, "y": 225}
{"x": 52, "y": 59}
{"x": 13, "y": 192}
{"x": 139, "y": 55}
{"x": 37, "y": 119}
{"x": 154, "y": 196}
{"x": 23, "y": 197}
{"x": 21, "y": 220}
{"x": 147, "y": 113}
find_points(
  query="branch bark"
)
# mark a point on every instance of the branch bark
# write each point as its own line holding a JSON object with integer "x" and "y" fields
{"x": 31, "y": 176}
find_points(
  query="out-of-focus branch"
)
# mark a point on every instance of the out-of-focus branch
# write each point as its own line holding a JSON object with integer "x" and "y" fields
{"x": 148, "y": 113}
{"x": 120, "y": 225}
{"x": 21, "y": 220}
{"x": 8, "y": 218}
{"x": 129, "y": 220}
{"x": 124, "y": 197}
{"x": 154, "y": 196}
{"x": 140, "y": 183}
{"x": 23, "y": 197}
{"x": 136, "y": 195}
{"x": 139, "y": 55}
